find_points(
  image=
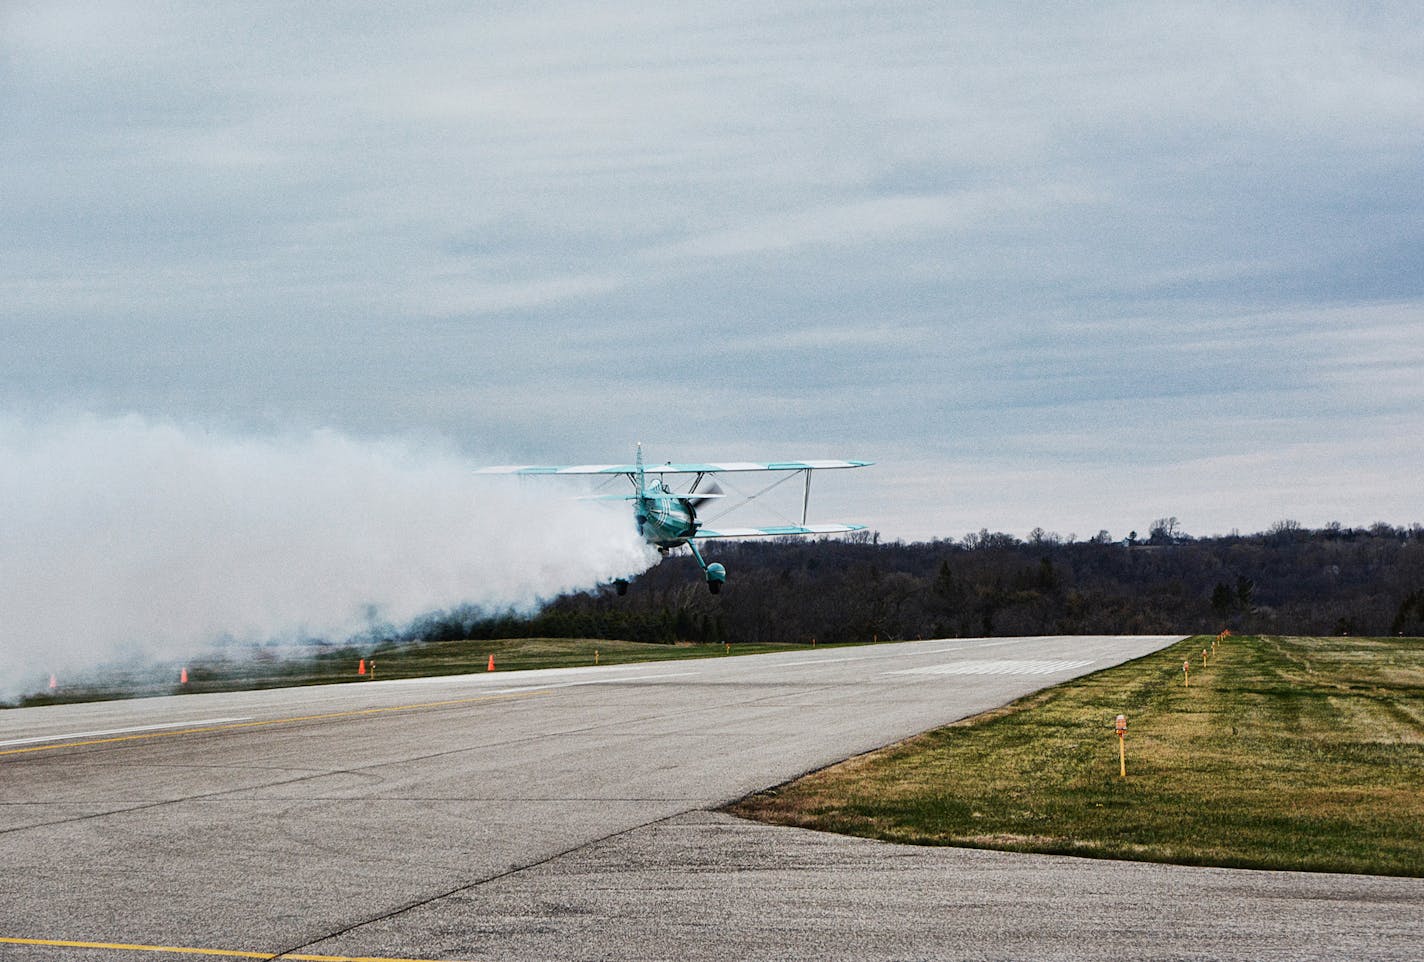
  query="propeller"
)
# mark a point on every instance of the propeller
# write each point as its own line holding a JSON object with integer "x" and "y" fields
{"x": 709, "y": 491}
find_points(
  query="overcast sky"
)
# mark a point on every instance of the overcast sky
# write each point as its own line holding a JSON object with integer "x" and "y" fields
{"x": 1070, "y": 265}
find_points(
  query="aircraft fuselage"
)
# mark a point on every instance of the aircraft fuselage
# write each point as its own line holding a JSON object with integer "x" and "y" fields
{"x": 664, "y": 519}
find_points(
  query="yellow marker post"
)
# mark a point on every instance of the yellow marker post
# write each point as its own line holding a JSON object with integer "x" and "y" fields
{"x": 1203, "y": 657}
{"x": 1186, "y": 674}
{"x": 1122, "y": 746}
{"x": 595, "y": 656}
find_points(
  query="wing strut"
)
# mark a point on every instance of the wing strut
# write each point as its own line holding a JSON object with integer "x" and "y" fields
{"x": 749, "y": 498}
{"x": 806, "y": 501}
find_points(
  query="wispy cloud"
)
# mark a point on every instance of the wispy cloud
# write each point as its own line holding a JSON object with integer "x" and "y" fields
{"x": 1078, "y": 241}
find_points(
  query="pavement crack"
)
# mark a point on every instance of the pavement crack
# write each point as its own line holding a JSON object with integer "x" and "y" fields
{"x": 471, "y": 886}
{"x": 160, "y": 803}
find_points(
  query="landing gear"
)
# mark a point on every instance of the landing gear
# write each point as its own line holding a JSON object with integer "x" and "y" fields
{"x": 716, "y": 574}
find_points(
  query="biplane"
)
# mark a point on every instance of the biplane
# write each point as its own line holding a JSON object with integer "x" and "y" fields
{"x": 668, "y": 518}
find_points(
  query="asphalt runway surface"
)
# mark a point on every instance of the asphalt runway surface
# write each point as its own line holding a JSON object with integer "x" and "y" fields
{"x": 569, "y": 814}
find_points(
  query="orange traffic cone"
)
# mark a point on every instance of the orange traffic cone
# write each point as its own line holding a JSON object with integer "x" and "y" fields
{"x": 183, "y": 678}
{"x": 491, "y": 662}
{"x": 362, "y": 669}
{"x": 53, "y": 682}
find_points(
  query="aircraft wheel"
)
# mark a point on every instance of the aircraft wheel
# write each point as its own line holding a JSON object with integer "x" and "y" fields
{"x": 621, "y": 586}
{"x": 715, "y": 587}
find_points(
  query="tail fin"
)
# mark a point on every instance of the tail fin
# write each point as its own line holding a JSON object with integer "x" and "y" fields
{"x": 640, "y": 494}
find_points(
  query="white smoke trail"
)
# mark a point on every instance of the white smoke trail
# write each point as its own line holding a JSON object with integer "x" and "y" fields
{"x": 125, "y": 536}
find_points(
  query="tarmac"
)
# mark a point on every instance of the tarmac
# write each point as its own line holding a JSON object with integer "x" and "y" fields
{"x": 571, "y": 814}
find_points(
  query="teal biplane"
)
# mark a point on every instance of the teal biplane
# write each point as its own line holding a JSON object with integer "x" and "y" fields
{"x": 668, "y": 518}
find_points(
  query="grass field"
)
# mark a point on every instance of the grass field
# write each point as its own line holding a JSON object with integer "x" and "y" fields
{"x": 412, "y": 660}
{"x": 1284, "y": 753}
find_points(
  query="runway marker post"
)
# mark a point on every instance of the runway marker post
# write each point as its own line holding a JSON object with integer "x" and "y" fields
{"x": 183, "y": 677}
{"x": 361, "y": 669}
{"x": 1122, "y": 746}
{"x": 1186, "y": 674}
{"x": 1203, "y": 657}
{"x": 491, "y": 662}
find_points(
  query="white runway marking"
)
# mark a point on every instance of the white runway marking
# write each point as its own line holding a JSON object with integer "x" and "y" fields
{"x": 996, "y": 667}
{"x": 880, "y": 656}
{"x": 523, "y": 673}
{"x": 119, "y": 731}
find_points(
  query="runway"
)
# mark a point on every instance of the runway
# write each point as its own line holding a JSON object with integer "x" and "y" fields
{"x": 560, "y": 814}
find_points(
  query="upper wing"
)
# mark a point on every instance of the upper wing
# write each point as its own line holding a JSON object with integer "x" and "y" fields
{"x": 775, "y": 530}
{"x": 670, "y": 468}
{"x": 560, "y": 469}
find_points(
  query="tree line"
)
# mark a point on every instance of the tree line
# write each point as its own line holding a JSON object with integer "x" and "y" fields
{"x": 1287, "y": 580}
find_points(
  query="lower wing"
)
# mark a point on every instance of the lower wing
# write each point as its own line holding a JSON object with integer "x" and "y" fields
{"x": 670, "y": 468}
{"x": 776, "y": 530}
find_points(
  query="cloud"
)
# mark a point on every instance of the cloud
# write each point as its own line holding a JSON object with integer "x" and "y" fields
{"x": 1022, "y": 238}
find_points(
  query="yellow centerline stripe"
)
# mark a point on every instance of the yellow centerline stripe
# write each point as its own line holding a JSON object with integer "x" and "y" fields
{"x": 227, "y": 953}
{"x": 270, "y": 721}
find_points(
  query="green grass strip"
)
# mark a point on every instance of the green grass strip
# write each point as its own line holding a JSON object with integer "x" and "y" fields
{"x": 1284, "y": 753}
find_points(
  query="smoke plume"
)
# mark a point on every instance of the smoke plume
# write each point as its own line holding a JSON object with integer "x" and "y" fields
{"x": 126, "y": 537}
